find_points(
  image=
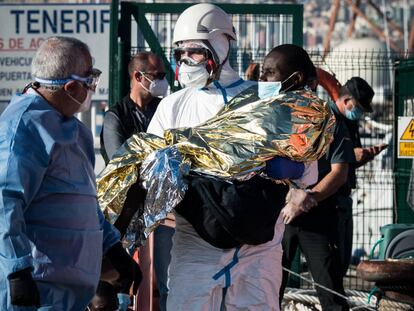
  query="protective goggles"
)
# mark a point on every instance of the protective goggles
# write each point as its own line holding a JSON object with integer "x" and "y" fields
{"x": 90, "y": 82}
{"x": 178, "y": 52}
{"x": 154, "y": 75}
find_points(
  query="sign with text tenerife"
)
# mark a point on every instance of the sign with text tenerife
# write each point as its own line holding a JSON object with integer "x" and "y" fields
{"x": 25, "y": 27}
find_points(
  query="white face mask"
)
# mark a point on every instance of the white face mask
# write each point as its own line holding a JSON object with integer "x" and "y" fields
{"x": 157, "y": 87}
{"x": 268, "y": 89}
{"x": 194, "y": 75}
{"x": 86, "y": 104}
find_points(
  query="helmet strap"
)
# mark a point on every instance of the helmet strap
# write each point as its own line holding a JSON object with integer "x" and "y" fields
{"x": 217, "y": 67}
{"x": 211, "y": 66}
{"x": 222, "y": 64}
{"x": 176, "y": 75}
{"x": 216, "y": 59}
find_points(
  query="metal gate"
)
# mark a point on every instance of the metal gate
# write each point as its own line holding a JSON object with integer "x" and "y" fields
{"x": 403, "y": 168}
{"x": 149, "y": 26}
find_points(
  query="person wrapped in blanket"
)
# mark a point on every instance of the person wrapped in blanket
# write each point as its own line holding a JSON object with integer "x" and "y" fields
{"x": 215, "y": 144}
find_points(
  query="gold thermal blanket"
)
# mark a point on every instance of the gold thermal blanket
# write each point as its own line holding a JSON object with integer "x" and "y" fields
{"x": 232, "y": 145}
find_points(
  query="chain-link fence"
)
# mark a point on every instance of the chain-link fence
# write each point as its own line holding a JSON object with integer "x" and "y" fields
{"x": 373, "y": 199}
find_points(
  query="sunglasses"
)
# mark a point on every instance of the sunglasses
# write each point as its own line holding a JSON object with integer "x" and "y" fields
{"x": 155, "y": 75}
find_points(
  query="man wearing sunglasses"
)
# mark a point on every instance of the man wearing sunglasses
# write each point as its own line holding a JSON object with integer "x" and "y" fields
{"x": 52, "y": 232}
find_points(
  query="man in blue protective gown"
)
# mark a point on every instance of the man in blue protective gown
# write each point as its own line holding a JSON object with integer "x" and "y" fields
{"x": 52, "y": 233}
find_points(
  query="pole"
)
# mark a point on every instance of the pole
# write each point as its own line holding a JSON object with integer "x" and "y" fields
{"x": 327, "y": 41}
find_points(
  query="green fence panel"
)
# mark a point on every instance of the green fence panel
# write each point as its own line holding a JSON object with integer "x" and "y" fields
{"x": 404, "y": 106}
{"x": 114, "y": 63}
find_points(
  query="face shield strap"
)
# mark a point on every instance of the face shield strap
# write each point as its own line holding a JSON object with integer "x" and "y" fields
{"x": 52, "y": 82}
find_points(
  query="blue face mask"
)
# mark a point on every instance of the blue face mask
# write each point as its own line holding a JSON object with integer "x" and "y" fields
{"x": 354, "y": 114}
{"x": 268, "y": 89}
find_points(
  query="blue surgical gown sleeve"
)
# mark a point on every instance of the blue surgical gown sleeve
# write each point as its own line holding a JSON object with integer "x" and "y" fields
{"x": 111, "y": 235}
{"x": 23, "y": 164}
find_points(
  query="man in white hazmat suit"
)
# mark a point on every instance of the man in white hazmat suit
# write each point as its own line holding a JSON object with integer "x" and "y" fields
{"x": 202, "y": 277}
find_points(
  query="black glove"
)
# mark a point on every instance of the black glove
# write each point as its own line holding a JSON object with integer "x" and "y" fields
{"x": 23, "y": 289}
{"x": 134, "y": 203}
{"x": 128, "y": 269}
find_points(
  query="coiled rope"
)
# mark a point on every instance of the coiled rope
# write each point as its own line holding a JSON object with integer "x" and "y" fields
{"x": 357, "y": 300}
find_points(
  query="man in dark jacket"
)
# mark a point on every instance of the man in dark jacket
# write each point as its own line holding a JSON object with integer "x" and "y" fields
{"x": 134, "y": 112}
{"x": 132, "y": 115}
{"x": 358, "y": 90}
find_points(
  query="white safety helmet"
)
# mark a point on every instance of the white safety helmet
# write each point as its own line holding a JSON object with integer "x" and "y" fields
{"x": 209, "y": 24}
{"x": 201, "y": 22}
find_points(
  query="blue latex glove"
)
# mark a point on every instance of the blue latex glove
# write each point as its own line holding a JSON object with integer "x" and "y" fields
{"x": 283, "y": 168}
{"x": 124, "y": 301}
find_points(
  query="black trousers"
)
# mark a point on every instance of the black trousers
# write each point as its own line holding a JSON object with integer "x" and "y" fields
{"x": 318, "y": 244}
{"x": 345, "y": 231}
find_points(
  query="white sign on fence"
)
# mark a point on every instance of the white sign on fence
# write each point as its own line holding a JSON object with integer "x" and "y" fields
{"x": 24, "y": 27}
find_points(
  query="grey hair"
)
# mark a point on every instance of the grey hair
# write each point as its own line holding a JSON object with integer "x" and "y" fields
{"x": 60, "y": 57}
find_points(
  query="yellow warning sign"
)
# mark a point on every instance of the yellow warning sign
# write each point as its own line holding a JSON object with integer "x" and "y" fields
{"x": 406, "y": 149}
{"x": 409, "y": 131}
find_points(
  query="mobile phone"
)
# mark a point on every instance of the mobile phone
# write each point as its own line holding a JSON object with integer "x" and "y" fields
{"x": 382, "y": 146}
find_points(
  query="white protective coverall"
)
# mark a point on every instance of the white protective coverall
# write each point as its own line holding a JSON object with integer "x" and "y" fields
{"x": 198, "y": 271}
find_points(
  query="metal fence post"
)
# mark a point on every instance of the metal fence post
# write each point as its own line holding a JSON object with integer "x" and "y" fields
{"x": 404, "y": 80}
{"x": 113, "y": 54}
